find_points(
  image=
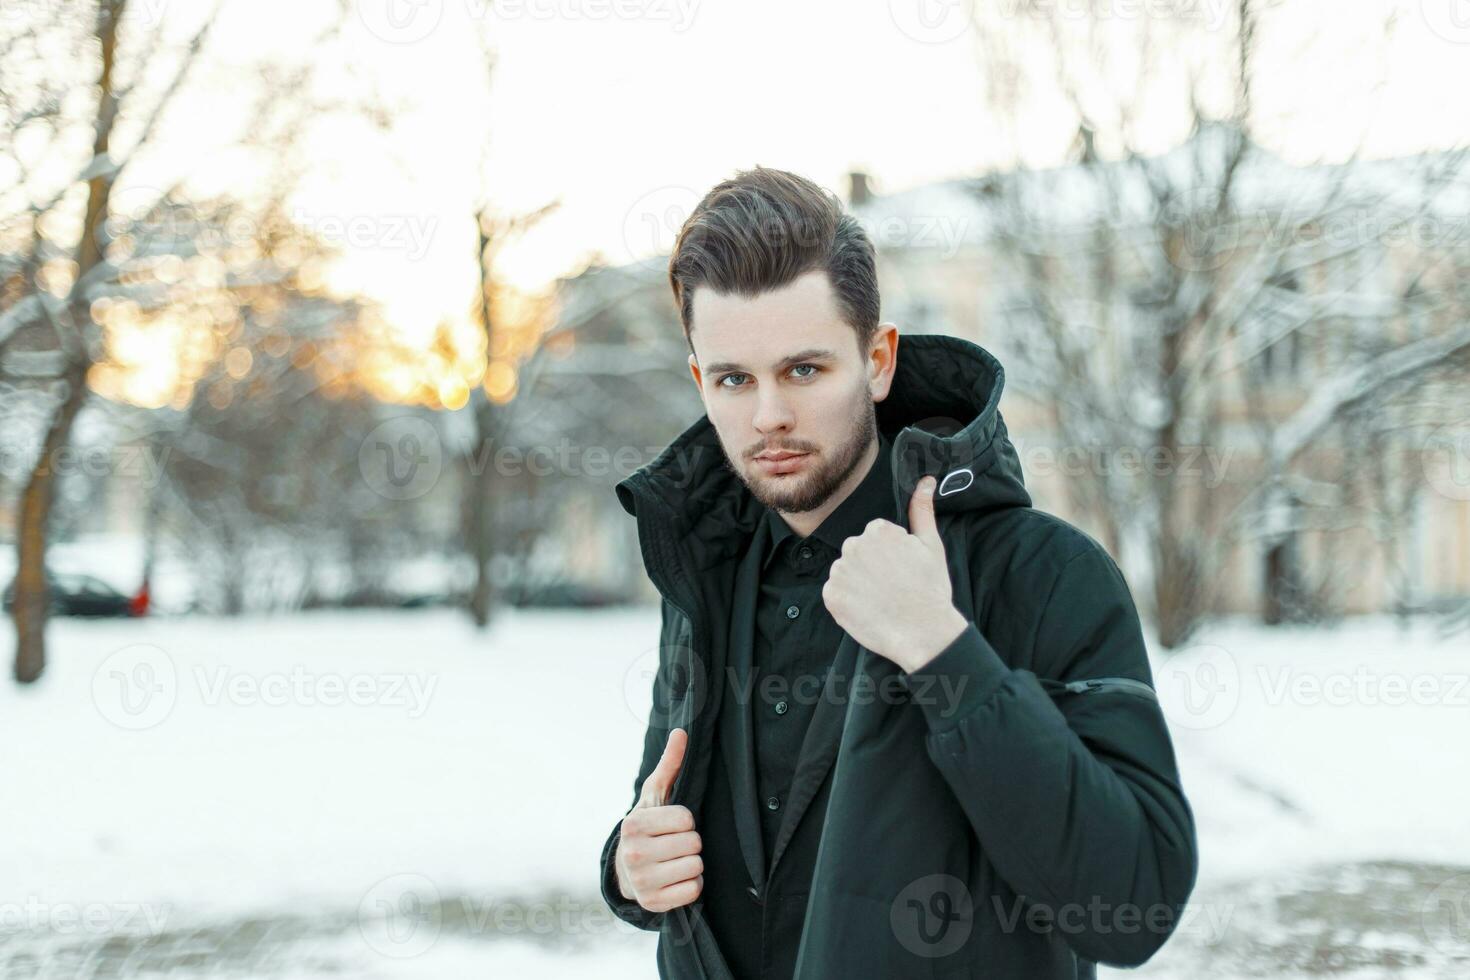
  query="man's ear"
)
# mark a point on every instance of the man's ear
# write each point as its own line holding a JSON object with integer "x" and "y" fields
{"x": 698, "y": 380}
{"x": 882, "y": 360}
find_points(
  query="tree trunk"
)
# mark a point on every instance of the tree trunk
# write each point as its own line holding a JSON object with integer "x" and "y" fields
{"x": 482, "y": 515}
{"x": 31, "y": 593}
{"x": 1284, "y": 590}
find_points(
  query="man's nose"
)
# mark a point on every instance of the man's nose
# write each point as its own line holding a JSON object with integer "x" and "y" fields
{"x": 771, "y": 411}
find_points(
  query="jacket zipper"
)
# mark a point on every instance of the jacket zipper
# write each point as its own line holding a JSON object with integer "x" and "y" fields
{"x": 1124, "y": 684}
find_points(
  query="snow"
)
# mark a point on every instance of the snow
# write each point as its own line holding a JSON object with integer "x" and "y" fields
{"x": 1362, "y": 729}
{"x": 264, "y": 795}
{"x": 312, "y": 770}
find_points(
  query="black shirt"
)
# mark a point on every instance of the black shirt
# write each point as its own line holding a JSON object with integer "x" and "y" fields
{"x": 794, "y": 644}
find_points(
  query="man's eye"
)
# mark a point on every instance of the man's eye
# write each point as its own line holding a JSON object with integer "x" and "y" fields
{"x": 723, "y": 378}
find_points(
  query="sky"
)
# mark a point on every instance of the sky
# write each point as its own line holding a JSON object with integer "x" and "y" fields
{"x": 626, "y": 111}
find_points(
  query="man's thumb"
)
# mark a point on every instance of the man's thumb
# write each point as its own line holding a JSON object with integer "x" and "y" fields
{"x": 921, "y": 512}
{"x": 656, "y": 787}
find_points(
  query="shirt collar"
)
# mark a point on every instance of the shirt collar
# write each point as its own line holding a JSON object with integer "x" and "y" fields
{"x": 873, "y": 497}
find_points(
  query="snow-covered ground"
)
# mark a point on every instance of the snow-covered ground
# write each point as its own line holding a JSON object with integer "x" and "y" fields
{"x": 396, "y": 795}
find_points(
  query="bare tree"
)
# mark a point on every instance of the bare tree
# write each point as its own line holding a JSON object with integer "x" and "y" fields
{"x": 1169, "y": 304}
{"x": 490, "y": 418}
{"x": 262, "y": 446}
{"x": 77, "y": 243}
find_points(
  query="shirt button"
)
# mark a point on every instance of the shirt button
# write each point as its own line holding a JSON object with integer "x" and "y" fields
{"x": 773, "y": 803}
{"x": 793, "y": 611}
{"x": 781, "y": 707}
{"x": 806, "y": 552}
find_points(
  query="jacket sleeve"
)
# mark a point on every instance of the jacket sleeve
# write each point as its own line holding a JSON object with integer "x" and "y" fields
{"x": 654, "y": 739}
{"x": 1076, "y": 800}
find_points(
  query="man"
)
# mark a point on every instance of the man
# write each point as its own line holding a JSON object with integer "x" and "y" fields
{"x": 903, "y": 722}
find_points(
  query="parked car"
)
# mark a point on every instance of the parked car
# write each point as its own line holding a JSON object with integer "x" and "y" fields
{"x": 71, "y": 594}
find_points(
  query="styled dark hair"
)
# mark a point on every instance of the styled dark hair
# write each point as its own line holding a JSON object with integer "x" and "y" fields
{"x": 763, "y": 228}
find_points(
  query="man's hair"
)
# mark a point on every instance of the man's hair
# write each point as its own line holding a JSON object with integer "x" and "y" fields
{"x": 760, "y": 230}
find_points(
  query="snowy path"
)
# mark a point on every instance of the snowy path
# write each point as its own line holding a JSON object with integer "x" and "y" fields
{"x": 210, "y": 798}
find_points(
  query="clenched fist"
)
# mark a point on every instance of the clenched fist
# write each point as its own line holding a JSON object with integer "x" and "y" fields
{"x": 890, "y": 588}
{"x": 658, "y": 862}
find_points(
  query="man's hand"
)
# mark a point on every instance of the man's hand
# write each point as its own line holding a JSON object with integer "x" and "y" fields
{"x": 890, "y": 588}
{"x": 658, "y": 862}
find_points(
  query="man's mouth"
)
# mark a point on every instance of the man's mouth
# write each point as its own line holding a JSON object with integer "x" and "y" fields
{"x": 781, "y": 461}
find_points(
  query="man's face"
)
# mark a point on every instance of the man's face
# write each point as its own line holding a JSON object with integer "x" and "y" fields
{"x": 789, "y": 393}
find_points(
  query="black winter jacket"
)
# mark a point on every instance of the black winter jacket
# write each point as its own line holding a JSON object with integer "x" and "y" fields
{"x": 1014, "y": 811}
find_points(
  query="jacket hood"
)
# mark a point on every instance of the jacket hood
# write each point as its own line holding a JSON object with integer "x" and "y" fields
{"x": 942, "y": 414}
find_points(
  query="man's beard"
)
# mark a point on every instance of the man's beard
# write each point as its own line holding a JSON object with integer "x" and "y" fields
{"x": 810, "y": 490}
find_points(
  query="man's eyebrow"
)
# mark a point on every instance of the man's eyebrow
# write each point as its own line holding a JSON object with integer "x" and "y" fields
{"x": 810, "y": 354}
